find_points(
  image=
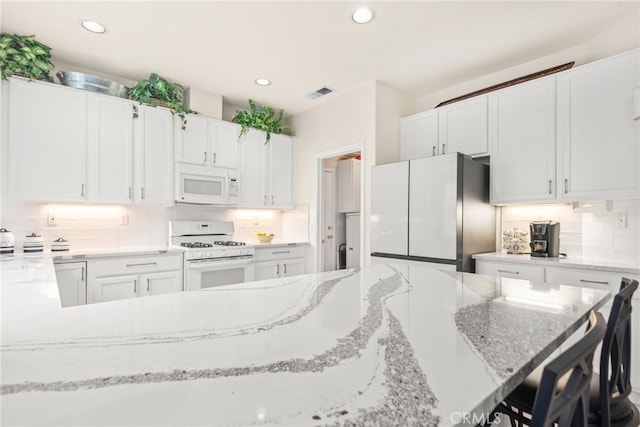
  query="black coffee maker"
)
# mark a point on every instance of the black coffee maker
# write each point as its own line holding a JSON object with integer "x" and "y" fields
{"x": 545, "y": 238}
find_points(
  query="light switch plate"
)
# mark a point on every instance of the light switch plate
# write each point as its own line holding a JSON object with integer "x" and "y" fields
{"x": 621, "y": 220}
{"x": 52, "y": 220}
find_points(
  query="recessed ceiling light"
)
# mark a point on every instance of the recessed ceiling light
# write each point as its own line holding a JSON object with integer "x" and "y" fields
{"x": 362, "y": 15}
{"x": 263, "y": 82}
{"x": 94, "y": 27}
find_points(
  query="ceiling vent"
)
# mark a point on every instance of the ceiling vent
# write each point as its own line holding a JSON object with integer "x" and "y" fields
{"x": 320, "y": 92}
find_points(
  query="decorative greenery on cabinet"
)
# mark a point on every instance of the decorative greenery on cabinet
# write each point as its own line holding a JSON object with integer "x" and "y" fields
{"x": 156, "y": 91}
{"x": 24, "y": 55}
{"x": 263, "y": 118}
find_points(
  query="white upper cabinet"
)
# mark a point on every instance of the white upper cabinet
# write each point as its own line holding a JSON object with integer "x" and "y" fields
{"x": 419, "y": 135}
{"x": 110, "y": 149}
{"x": 267, "y": 171}
{"x": 457, "y": 127}
{"x": 47, "y": 134}
{"x": 522, "y": 137}
{"x": 463, "y": 127}
{"x": 281, "y": 172}
{"x": 598, "y": 138}
{"x": 207, "y": 142}
{"x": 153, "y": 133}
{"x": 348, "y": 172}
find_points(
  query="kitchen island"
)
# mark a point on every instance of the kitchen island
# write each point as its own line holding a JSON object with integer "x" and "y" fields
{"x": 385, "y": 345}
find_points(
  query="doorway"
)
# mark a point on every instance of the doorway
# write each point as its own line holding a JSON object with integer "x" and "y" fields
{"x": 340, "y": 201}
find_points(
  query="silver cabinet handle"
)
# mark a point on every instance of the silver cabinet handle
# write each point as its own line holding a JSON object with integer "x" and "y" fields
{"x": 594, "y": 281}
{"x": 566, "y": 186}
{"x": 135, "y": 286}
{"x": 433, "y": 152}
{"x": 214, "y": 158}
{"x": 82, "y": 190}
{"x": 265, "y": 199}
{"x": 130, "y": 192}
{"x": 280, "y": 252}
{"x": 277, "y": 268}
{"x": 143, "y": 263}
{"x": 205, "y": 158}
{"x": 285, "y": 268}
{"x": 507, "y": 271}
{"x": 82, "y": 275}
{"x": 272, "y": 199}
{"x": 550, "y": 189}
{"x": 148, "y": 280}
{"x": 443, "y": 148}
{"x": 142, "y": 193}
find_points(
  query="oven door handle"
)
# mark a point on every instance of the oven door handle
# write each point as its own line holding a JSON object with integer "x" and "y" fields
{"x": 198, "y": 265}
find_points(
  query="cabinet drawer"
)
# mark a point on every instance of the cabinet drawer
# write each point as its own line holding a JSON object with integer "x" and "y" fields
{"x": 283, "y": 252}
{"x": 515, "y": 271}
{"x": 585, "y": 278}
{"x": 134, "y": 265}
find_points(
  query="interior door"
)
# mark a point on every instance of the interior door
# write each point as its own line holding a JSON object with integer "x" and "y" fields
{"x": 328, "y": 217}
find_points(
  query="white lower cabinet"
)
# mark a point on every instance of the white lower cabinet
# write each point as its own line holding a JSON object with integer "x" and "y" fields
{"x": 72, "y": 283}
{"x": 512, "y": 271}
{"x": 583, "y": 277}
{"x": 118, "y": 278}
{"x": 277, "y": 262}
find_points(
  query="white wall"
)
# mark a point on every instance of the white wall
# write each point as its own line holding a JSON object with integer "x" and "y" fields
{"x": 391, "y": 105}
{"x": 622, "y": 36}
{"x": 347, "y": 119}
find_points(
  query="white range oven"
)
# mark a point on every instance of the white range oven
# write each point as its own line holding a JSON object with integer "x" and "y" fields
{"x": 211, "y": 258}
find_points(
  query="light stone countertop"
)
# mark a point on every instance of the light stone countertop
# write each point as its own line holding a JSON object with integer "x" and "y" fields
{"x": 599, "y": 264}
{"x": 385, "y": 345}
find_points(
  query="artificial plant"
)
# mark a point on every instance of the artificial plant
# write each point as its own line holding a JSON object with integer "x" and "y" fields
{"x": 262, "y": 118}
{"x": 26, "y": 56}
{"x": 156, "y": 91}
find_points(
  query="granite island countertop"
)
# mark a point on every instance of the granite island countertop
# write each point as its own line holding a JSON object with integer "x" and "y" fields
{"x": 385, "y": 345}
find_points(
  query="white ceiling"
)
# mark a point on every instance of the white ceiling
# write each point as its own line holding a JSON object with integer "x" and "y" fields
{"x": 222, "y": 47}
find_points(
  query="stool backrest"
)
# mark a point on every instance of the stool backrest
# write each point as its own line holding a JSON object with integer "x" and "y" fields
{"x": 615, "y": 359}
{"x": 569, "y": 405}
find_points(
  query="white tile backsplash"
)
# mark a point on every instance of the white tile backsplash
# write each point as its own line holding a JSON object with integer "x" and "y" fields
{"x": 93, "y": 227}
{"x": 583, "y": 232}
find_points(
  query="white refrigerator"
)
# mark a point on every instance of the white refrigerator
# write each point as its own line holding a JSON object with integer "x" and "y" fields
{"x": 433, "y": 209}
{"x": 353, "y": 240}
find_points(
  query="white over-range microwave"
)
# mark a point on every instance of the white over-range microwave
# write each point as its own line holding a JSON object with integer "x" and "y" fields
{"x": 205, "y": 185}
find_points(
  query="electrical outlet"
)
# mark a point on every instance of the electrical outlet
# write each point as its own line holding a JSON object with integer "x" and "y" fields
{"x": 124, "y": 219}
{"x": 52, "y": 220}
{"x": 621, "y": 220}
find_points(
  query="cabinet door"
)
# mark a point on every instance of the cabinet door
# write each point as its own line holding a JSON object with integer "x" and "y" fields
{"x": 110, "y": 149}
{"x": 253, "y": 185}
{"x": 463, "y": 127}
{"x": 598, "y": 137}
{"x": 47, "y": 133}
{"x": 281, "y": 172}
{"x": 522, "y": 134}
{"x": 419, "y": 135}
{"x": 433, "y": 206}
{"x": 353, "y": 240}
{"x": 115, "y": 288}
{"x": 293, "y": 267}
{"x": 348, "y": 184}
{"x": 390, "y": 208}
{"x": 154, "y": 159}
{"x": 192, "y": 144}
{"x": 160, "y": 283}
{"x": 72, "y": 283}
{"x": 267, "y": 270}
{"x": 511, "y": 270}
{"x": 225, "y": 143}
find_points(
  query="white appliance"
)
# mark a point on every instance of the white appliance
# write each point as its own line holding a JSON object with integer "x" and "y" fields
{"x": 205, "y": 185}
{"x": 211, "y": 258}
{"x": 433, "y": 209}
{"x": 353, "y": 240}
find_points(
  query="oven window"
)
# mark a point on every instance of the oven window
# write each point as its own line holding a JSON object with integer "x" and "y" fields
{"x": 230, "y": 276}
{"x": 203, "y": 187}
